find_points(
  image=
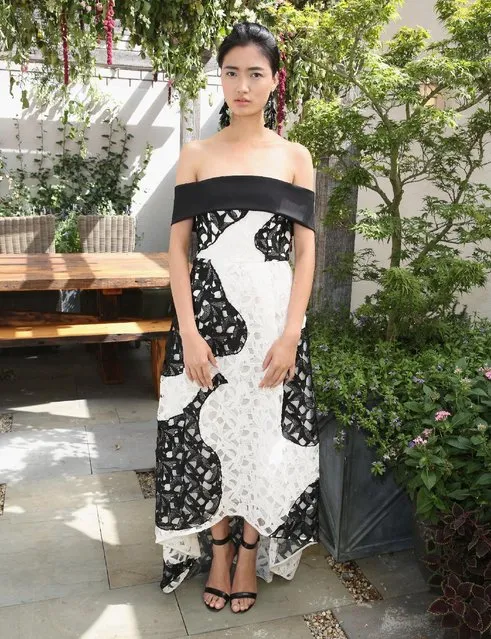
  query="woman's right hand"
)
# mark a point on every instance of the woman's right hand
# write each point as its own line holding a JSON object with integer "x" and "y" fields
{"x": 197, "y": 359}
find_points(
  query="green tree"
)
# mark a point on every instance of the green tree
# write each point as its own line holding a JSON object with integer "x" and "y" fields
{"x": 391, "y": 115}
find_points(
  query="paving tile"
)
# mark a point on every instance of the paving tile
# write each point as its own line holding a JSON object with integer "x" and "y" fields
{"x": 43, "y": 453}
{"x": 48, "y": 559}
{"x": 128, "y": 446}
{"x": 291, "y": 628}
{"x": 62, "y": 414}
{"x": 394, "y": 574}
{"x": 53, "y": 495}
{"x": 131, "y": 409}
{"x": 141, "y": 612}
{"x": 128, "y": 532}
{"x": 314, "y": 587}
{"x": 396, "y": 618}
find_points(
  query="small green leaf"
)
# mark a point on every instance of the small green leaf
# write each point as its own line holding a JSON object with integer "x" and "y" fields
{"x": 458, "y": 494}
{"x": 462, "y": 443}
{"x": 23, "y": 99}
{"x": 484, "y": 480}
{"x": 429, "y": 478}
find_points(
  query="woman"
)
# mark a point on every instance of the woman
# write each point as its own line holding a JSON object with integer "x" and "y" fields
{"x": 237, "y": 448}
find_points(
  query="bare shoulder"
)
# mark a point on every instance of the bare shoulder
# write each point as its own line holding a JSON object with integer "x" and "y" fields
{"x": 303, "y": 168}
{"x": 189, "y": 159}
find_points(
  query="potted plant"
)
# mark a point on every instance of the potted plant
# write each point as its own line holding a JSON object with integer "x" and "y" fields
{"x": 366, "y": 391}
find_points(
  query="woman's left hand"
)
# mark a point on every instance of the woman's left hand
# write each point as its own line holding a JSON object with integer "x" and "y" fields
{"x": 280, "y": 361}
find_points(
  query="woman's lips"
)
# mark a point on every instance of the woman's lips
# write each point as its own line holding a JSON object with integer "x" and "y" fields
{"x": 242, "y": 101}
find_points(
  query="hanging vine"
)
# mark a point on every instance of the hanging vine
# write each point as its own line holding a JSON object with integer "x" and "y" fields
{"x": 175, "y": 36}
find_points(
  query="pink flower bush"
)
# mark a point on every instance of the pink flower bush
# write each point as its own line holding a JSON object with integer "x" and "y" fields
{"x": 487, "y": 374}
{"x": 442, "y": 415}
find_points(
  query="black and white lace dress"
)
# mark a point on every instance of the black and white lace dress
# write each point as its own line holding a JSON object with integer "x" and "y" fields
{"x": 238, "y": 450}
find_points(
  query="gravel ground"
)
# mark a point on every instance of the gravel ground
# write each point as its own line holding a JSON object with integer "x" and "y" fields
{"x": 6, "y": 420}
{"x": 147, "y": 482}
{"x": 324, "y": 625}
{"x": 354, "y": 580}
{"x": 3, "y": 488}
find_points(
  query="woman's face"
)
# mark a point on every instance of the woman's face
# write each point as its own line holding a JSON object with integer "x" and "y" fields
{"x": 247, "y": 79}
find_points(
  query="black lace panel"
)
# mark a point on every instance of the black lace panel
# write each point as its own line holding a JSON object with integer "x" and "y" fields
{"x": 299, "y": 419}
{"x": 274, "y": 239}
{"x": 218, "y": 322}
{"x": 210, "y": 225}
{"x": 188, "y": 471}
{"x": 301, "y": 525}
{"x": 222, "y": 326}
{"x": 174, "y": 361}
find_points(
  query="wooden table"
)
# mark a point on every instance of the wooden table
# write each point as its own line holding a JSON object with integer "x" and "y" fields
{"x": 109, "y": 274}
{"x": 66, "y": 271}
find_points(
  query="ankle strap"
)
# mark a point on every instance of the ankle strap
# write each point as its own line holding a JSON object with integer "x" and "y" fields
{"x": 220, "y": 542}
{"x": 249, "y": 546}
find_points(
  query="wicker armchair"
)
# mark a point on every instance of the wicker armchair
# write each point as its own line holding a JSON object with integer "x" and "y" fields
{"x": 106, "y": 233}
{"x": 31, "y": 234}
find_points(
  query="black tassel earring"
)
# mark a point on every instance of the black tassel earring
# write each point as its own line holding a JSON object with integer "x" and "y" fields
{"x": 224, "y": 116}
{"x": 270, "y": 113}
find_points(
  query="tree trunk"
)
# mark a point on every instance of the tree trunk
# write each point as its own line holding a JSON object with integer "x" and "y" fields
{"x": 335, "y": 244}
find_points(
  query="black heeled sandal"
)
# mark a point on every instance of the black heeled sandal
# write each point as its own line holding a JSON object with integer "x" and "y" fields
{"x": 214, "y": 591}
{"x": 244, "y": 595}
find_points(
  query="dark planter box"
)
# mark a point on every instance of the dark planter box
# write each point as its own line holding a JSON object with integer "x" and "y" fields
{"x": 360, "y": 514}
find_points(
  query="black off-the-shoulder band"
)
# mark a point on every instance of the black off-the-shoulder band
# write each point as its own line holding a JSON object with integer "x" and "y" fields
{"x": 253, "y": 192}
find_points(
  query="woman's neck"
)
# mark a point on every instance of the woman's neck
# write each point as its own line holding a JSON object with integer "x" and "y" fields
{"x": 246, "y": 131}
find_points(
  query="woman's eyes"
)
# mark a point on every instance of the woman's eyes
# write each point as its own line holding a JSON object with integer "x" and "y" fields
{"x": 255, "y": 73}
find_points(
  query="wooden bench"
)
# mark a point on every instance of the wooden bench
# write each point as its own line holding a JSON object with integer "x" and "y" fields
{"x": 107, "y": 273}
{"x": 29, "y": 329}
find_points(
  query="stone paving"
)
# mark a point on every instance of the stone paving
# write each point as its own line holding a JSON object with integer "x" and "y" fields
{"x": 77, "y": 551}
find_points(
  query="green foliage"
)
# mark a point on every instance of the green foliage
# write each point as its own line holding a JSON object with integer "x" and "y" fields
{"x": 393, "y": 390}
{"x": 450, "y": 459}
{"x": 175, "y": 36}
{"x": 390, "y": 116}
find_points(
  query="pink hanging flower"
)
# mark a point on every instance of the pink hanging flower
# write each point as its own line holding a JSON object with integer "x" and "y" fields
{"x": 281, "y": 94}
{"x": 64, "y": 39}
{"x": 108, "y": 27}
{"x": 442, "y": 415}
{"x": 487, "y": 374}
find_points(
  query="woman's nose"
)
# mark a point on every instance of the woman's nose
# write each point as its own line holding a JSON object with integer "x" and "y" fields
{"x": 243, "y": 85}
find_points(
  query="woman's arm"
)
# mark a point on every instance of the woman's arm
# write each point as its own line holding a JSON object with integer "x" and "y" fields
{"x": 197, "y": 354}
{"x": 280, "y": 358}
{"x": 179, "y": 242}
{"x": 304, "y": 243}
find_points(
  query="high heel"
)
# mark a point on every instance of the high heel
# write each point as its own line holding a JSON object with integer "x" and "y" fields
{"x": 214, "y": 591}
{"x": 244, "y": 595}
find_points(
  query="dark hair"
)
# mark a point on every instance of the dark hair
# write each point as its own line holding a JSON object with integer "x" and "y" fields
{"x": 242, "y": 34}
